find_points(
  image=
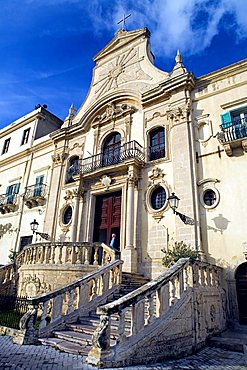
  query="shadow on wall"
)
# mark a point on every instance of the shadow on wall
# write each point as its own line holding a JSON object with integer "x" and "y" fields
{"x": 221, "y": 224}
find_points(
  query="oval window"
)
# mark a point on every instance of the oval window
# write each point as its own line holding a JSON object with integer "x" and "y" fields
{"x": 158, "y": 198}
{"x": 67, "y": 215}
{"x": 209, "y": 197}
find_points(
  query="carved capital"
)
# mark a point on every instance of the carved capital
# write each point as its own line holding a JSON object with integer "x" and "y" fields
{"x": 58, "y": 158}
{"x": 179, "y": 114}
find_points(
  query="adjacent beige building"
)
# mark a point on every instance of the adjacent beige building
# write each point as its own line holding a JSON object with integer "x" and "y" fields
{"x": 140, "y": 135}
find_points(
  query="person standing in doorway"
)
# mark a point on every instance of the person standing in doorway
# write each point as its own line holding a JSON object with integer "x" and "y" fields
{"x": 113, "y": 241}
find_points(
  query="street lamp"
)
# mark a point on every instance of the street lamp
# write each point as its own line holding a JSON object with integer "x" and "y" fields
{"x": 173, "y": 201}
{"x": 34, "y": 226}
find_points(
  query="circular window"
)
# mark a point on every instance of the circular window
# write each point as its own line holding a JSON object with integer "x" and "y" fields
{"x": 67, "y": 215}
{"x": 158, "y": 198}
{"x": 209, "y": 197}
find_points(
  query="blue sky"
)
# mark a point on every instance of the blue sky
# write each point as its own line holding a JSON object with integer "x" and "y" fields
{"x": 47, "y": 46}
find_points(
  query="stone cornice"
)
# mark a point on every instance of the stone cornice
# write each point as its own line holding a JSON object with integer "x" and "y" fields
{"x": 230, "y": 70}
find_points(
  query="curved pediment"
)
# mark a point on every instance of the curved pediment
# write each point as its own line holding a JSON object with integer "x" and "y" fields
{"x": 126, "y": 63}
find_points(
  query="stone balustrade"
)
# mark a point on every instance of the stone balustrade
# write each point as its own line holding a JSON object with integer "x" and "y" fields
{"x": 58, "y": 253}
{"x": 141, "y": 313}
{"x": 52, "y": 310}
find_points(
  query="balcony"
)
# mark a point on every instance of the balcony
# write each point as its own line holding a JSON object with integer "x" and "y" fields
{"x": 233, "y": 134}
{"x": 8, "y": 203}
{"x": 35, "y": 195}
{"x": 112, "y": 156}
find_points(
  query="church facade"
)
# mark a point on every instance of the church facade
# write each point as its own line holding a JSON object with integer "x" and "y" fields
{"x": 140, "y": 135}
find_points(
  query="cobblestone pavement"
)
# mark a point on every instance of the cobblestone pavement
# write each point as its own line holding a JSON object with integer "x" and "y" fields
{"x": 13, "y": 356}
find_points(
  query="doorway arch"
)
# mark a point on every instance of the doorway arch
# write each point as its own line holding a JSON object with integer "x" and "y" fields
{"x": 241, "y": 287}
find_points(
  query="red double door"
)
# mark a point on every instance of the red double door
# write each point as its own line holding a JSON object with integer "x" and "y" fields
{"x": 107, "y": 218}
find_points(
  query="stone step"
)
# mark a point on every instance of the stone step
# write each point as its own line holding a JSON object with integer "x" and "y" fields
{"x": 89, "y": 329}
{"x": 232, "y": 340}
{"x": 65, "y": 346}
{"x": 74, "y": 337}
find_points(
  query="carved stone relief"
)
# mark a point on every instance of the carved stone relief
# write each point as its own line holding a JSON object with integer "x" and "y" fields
{"x": 122, "y": 69}
{"x": 32, "y": 286}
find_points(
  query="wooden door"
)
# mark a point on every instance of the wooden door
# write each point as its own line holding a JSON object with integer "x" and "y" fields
{"x": 241, "y": 285}
{"x": 107, "y": 218}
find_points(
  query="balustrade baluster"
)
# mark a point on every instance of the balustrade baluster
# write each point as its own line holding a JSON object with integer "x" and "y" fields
{"x": 105, "y": 281}
{"x": 138, "y": 315}
{"x": 60, "y": 254}
{"x": 172, "y": 289}
{"x": 162, "y": 301}
{"x": 151, "y": 310}
{"x": 64, "y": 253}
{"x": 195, "y": 274}
{"x": 208, "y": 276}
{"x": 121, "y": 326}
{"x": 181, "y": 287}
{"x": 57, "y": 307}
{"x": 86, "y": 262}
{"x": 53, "y": 254}
{"x": 94, "y": 289}
{"x": 43, "y": 321}
{"x": 95, "y": 259}
{"x": 70, "y": 301}
{"x": 42, "y": 254}
{"x": 78, "y": 255}
{"x": 73, "y": 254}
{"x": 83, "y": 295}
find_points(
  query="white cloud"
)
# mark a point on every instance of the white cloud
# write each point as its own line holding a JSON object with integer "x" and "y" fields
{"x": 189, "y": 25}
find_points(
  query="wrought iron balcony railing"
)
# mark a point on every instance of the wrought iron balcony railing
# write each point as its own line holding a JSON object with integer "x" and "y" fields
{"x": 35, "y": 191}
{"x": 35, "y": 195}
{"x": 112, "y": 156}
{"x": 233, "y": 130}
{"x": 8, "y": 203}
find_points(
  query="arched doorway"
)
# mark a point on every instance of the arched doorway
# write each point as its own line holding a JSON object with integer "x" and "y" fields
{"x": 241, "y": 286}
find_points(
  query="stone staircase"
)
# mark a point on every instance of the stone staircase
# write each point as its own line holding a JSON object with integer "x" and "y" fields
{"x": 232, "y": 339}
{"x": 76, "y": 338}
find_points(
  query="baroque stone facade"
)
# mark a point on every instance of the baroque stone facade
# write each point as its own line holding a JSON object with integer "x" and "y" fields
{"x": 140, "y": 135}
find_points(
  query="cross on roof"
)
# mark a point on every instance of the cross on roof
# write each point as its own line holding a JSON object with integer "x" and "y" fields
{"x": 123, "y": 21}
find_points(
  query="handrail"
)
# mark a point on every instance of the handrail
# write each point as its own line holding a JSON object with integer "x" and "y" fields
{"x": 147, "y": 304}
{"x": 55, "y": 253}
{"x": 138, "y": 294}
{"x": 52, "y": 310}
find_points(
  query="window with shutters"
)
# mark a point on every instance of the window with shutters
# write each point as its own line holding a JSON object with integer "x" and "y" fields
{"x": 11, "y": 192}
{"x": 233, "y": 130}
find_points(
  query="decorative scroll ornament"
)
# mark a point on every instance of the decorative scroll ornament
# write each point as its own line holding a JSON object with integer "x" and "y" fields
{"x": 71, "y": 194}
{"x": 113, "y": 111}
{"x": 99, "y": 339}
{"x": 157, "y": 175}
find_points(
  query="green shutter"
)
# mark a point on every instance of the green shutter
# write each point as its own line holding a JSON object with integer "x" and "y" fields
{"x": 226, "y": 120}
{"x": 39, "y": 180}
{"x": 16, "y": 188}
{"x": 9, "y": 190}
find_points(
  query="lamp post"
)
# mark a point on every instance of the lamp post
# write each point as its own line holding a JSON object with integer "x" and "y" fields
{"x": 34, "y": 226}
{"x": 173, "y": 202}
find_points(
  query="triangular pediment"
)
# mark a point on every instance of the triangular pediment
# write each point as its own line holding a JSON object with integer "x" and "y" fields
{"x": 122, "y": 38}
